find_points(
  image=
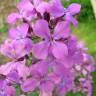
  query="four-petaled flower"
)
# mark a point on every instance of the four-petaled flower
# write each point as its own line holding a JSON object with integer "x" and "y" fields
{"x": 51, "y": 40}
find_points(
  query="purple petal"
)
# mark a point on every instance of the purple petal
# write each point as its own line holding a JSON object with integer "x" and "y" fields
{"x": 23, "y": 28}
{"x": 6, "y": 68}
{"x": 41, "y": 29}
{"x": 62, "y": 30}
{"x": 40, "y": 50}
{"x": 56, "y": 8}
{"x": 71, "y": 19}
{"x": 18, "y": 50}
{"x": 3, "y": 84}
{"x": 40, "y": 68}
{"x": 58, "y": 67}
{"x": 25, "y": 5}
{"x": 46, "y": 86}
{"x": 74, "y": 8}
{"x": 54, "y": 78}
{"x": 37, "y": 2}
{"x": 13, "y": 76}
{"x": 22, "y": 69}
{"x": 28, "y": 45}
{"x": 42, "y": 93}
{"x": 59, "y": 50}
{"x": 11, "y": 19}
{"x": 89, "y": 89}
{"x": 19, "y": 32}
{"x": 29, "y": 85}
{"x": 43, "y": 7}
{"x": 14, "y": 50}
{"x": 10, "y": 90}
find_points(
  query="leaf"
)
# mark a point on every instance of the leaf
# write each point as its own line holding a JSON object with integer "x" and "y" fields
{"x": 33, "y": 94}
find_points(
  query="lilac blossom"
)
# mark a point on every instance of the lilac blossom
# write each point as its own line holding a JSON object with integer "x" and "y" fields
{"x": 45, "y": 56}
{"x": 16, "y": 49}
{"x": 20, "y": 67}
{"x": 51, "y": 41}
{"x": 6, "y": 81}
{"x": 27, "y": 10}
{"x": 19, "y": 33}
{"x": 72, "y": 10}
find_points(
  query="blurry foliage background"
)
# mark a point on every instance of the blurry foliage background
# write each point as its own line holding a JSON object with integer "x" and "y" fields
{"x": 85, "y": 31}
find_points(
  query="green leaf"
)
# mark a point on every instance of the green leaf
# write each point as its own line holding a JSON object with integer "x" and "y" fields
{"x": 33, "y": 94}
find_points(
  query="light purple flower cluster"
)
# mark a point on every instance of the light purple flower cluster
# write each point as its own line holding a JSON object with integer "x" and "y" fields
{"x": 45, "y": 56}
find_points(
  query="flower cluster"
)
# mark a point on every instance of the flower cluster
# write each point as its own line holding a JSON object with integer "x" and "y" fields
{"x": 44, "y": 56}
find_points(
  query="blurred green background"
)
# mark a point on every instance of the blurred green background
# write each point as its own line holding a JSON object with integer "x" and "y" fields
{"x": 85, "y": 31}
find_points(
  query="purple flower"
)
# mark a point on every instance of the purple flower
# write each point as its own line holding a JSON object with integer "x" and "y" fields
{"x": 29, "y": 85}
{"x": 46, "y": 81}
{"x": 45, "y": 86}
{"x": 19, "y": 33}
{"x": 56, "y": 9}
{"x": 75, "y": 53}
{"x": 38, "y": 79}
{"x": 13, "y": 17}
{"x": 58, "y": 63}
{"x": 38, "y": 71}
{"x": 85, "y": 84}
{"x": 50, "y": 42}
{"x": 13, "y": 48}
{"x": 66, "y": 77}
{"x": 40, "y": 68}
{"x": 6, "y": 88}
{"x": 10, "y": 68}
{"x": 25, "y": 5}
{"x": 71, "y": 11}
{"x": 88, "y": 63}
{"x": 8, "y": 91}
{"x": 27, "y": 10}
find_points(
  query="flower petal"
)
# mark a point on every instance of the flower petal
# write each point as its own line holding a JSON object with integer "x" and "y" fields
{"x": 43, "y": 7}
{"x": 46, "y": 87}
{"x": 29, "y": 85}
{"x": 45, "y": 94}
{"x": 40, "y": 68}
{"x": 28, "y": 45}
{"x": 13, "y": 76}
{"x": 56, "y": 8}
{"x": 10, "y": 90}
{"x": 54, "y": 78}
{"x": 11, "y": 19}
{"x": 41, "y": 29}
{"x": 7, "y": 68}
{"x": 62, "y": 30}
{"x": 25, "y": 5}
{"x": 40, "y": 50}
{"x": 23, "y": 70}
{"x": 19, "y": 32}
{"x": 68, "y": 17}
{"x": 59, "y": 50}
{"x": 74, "y": 8}
{"x": 37, "y": 2}
{"x": 23, "y": 28}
